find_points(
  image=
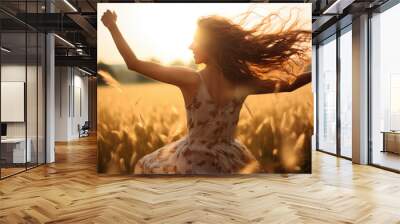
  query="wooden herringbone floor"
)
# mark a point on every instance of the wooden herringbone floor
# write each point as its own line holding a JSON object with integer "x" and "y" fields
{"x": 70, "y": 191}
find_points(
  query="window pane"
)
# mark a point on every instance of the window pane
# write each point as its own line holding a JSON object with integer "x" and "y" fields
{"x": 327, "y": 96}
{"x": 385, "y": 89}
{"x": 346, "y": 94}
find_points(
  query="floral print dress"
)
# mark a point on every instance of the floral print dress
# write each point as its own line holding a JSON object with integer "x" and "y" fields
{"x": 208, "y": 148}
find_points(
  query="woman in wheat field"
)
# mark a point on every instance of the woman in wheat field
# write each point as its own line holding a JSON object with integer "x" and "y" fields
{"x": 239, "y": 62}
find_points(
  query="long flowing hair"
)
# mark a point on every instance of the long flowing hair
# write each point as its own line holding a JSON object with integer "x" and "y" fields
{"x": 276, "y": 47}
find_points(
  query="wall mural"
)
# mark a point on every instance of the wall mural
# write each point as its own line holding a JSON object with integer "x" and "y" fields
{"x": 204, "y": 88}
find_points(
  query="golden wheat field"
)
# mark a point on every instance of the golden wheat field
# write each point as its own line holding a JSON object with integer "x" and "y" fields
{"x": 137, "y": 119}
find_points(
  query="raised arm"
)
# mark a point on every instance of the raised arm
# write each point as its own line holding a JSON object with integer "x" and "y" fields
{"x": 179, "y": 76}
{"x": 277, "y": 86}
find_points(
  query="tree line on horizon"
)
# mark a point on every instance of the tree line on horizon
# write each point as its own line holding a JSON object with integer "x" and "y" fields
{"x": 123, "y": 75}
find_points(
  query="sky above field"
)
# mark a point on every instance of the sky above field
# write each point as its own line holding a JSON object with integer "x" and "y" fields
{"x": 165, "y": 31}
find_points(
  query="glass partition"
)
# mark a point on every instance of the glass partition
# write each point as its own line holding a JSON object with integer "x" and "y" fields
{"x": 22, "y": 88}
{"x": 41, "y": 91}
{"x": 14, "y": 153}
{"x": 31, "y": 98}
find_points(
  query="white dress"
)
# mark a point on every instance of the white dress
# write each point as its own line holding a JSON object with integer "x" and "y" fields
{"x": 208, "y": 148}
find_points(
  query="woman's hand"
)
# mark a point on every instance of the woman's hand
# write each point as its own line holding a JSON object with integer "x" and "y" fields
{"x": 109, "y": 19}
{"x": 181, "y": 77}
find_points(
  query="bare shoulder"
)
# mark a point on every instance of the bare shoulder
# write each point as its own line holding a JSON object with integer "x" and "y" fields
{"x": 192, "y": 84}
{"x": 189, "y": 77}
{"x": 189, "y": 72}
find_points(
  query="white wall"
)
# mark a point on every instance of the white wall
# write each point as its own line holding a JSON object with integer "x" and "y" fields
{"x": 62, "y": 80}
{"x": 16, "y": 73}
{"x": 80, "y": 109}
{"x": 71, "y": 94}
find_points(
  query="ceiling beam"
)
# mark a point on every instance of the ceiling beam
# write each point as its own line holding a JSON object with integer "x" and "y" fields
{"x": 79, "y": 61}
{"x": 338, "y": 6}
{"x": 84, "y": 24}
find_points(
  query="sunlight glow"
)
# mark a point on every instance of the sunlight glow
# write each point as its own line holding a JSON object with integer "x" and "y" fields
{"x": 165, "y": 31}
